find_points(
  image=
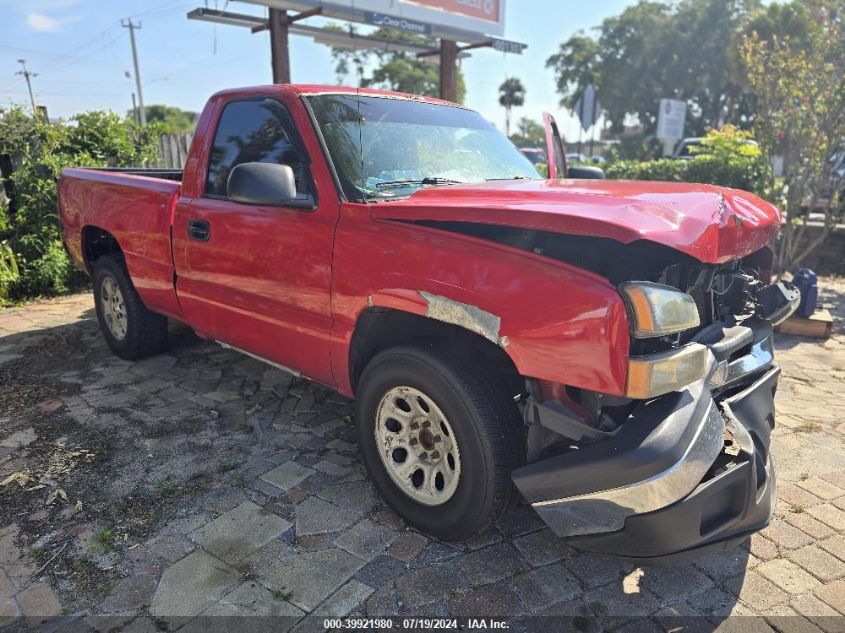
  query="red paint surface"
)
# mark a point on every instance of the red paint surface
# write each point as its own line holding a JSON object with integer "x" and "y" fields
{"x": 290, "y": 285}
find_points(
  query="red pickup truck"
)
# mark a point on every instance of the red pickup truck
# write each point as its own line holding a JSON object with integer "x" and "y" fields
{"x": 602, "y": 348}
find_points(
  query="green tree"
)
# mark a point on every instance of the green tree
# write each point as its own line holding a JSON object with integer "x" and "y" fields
{"x": 658, "y": 49}
{"x": 511, "y": 95}
{"x": 393, "y": 70}
{"x": 170, "y": 118}
{"x": 529, "y": 133}
{"x": 32, "y": 259}
{"x": 799, "y": 86}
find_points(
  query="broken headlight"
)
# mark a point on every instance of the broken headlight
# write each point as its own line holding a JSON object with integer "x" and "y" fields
{"x": 658, "y": 310}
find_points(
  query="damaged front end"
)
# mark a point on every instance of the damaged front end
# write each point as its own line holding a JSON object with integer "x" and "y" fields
{"x": 680, "y": 465}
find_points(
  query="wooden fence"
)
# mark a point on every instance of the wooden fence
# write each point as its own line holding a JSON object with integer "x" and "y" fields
{"x": 173, "y": 150}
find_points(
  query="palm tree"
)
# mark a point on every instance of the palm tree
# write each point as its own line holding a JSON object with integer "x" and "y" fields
{"x": 511, "y": 94}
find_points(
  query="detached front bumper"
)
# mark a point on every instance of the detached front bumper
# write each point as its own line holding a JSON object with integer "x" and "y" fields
{"x": 687, "y": 474}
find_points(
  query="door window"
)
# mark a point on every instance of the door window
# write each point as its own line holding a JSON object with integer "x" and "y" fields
{"x": 255, "y": 131}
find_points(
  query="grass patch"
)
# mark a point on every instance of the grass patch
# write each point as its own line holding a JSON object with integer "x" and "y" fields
{"x": 105, "y": 539}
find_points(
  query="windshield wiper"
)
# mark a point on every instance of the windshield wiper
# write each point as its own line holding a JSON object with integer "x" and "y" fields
{"x": 508, "y": 178}
{"x": 428, "y": 180}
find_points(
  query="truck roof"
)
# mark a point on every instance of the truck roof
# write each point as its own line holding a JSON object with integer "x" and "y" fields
{"x": 316, "y": 89}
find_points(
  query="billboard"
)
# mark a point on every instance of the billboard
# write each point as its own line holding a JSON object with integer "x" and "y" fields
{"x": 462, "y": 20}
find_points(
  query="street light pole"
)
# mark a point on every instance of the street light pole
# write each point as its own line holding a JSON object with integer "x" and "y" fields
{"x": 28, "y": 75}
{"x": 128, "y": 24}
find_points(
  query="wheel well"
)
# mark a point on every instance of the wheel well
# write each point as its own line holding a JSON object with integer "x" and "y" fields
{"x": 379, "y": 329}
{"x": 97, "y": 242}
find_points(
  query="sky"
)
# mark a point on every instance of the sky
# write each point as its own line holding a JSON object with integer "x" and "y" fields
{"x": 81, "y": 54}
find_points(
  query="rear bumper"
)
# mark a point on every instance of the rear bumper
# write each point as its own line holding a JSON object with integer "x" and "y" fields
{"x": 687, "y": 474}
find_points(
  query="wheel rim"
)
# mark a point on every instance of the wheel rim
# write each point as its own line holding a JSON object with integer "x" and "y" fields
{"x": 417, "y": 446}
{"x": 113, "y": 308}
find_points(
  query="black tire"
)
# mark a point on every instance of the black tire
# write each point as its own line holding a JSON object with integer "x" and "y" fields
{"x": 146, "y": 332}
{"x": 486, "y": 424}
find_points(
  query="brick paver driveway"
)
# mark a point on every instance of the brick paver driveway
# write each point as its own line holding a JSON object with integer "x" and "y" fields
{"x": 203, "y": 483}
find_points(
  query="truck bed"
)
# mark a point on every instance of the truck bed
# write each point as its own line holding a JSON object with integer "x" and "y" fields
{"x": 136, "y": 206}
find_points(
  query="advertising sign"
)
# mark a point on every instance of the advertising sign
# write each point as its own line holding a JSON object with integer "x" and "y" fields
{"x": 402, "y": 24}
{"x": 463, "y": 20}
{"x": 671, "y": 119}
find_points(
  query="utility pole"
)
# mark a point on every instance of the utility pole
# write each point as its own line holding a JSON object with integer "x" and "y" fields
{"x": 27, "y": 74}
{"x": 449, "y": 70}
{"x": 128, "y": 24}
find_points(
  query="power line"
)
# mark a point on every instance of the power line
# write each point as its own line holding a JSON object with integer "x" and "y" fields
{"x": 132, "y": 26}
{"x": 27, "y": 74}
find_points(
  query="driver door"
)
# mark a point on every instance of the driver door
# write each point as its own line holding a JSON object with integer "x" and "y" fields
{"x": 251, "y": 276}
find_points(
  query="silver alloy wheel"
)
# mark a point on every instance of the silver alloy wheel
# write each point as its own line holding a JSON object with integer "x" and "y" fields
{"x": 113, "y": 308}
{"x": 417, "y": 446}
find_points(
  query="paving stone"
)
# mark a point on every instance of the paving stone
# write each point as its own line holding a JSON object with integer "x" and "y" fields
{"x": 611, "y": 600}
{"x": 191, "y": 585}
{"x": 384, "y": 601}
{"x": 520, "y": 521}
{"x": 170, "y": 546}
{"x": 381, "y": 570}
{"x": 330, "y": 468}
{"x": 763, "y": 548}
{"x": 714, "y": 602}
{"x": 821, "y": 564}
{"x": 366, "y": 539}
{"x": 595, "y": 570}
{"x": 491, "y": 564}
{"x": 755, "y": 591}
{"x": 7, "y": 590}
{"x": 251, "y": 599}
{"x": 350, "y": 596}
{"x": 495, "y": 600}
{"x": 804, "y": 522}
{"x": 835, "y": 545}
{"x": 788, "y": 576}
{"x": 796, "y": 496}
{"x": 723, "y": 565}
{"x": 313, "y": 576}
{"x": 829, "y": 514}
{"x": 435, "y": 552}
{"x": 239, "y": 532}
{"x": 785, "y": 535}
{"x": 675, "y": 583}
{"x": 833, "y": 593}
{"x": 287, "y": 475}
{"x": 38, "y": 603}
{"x": 8, "y": 608}
{"x": 140, "y": 625}
{"x": 821, "y": 488}
{"x": 407, "y": 545}
{"x": 356, "y": 496}
{"x": 130, "y": 594}
{"x": 543, "y": 547}
{"x": 316, "y": 516}
{"x": 541, "y": 588}
{"x": 425, "y": 585}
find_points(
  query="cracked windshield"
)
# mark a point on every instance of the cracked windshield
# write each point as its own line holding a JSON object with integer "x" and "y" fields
{"x": 385, "y": 149}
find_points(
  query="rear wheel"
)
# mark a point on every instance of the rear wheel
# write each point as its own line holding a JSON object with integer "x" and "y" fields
{"x": 130, "y": 329}
{"x": 439, "y": 438}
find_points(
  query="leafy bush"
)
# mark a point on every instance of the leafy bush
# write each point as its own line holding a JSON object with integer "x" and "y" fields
{"x": 725, "y": 157}
{"x": 32, "y": 258}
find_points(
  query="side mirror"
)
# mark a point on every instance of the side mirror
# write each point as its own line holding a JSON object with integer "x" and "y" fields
{"x": 266, "y": 184}
{"x": 583, "y": 172}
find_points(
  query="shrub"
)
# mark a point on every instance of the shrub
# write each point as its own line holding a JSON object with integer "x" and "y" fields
{"x": 725, "y": 157}
{"x": 32, "y": 258}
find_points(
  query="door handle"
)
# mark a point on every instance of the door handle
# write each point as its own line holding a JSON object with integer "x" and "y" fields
{"x": 199, "y": 230}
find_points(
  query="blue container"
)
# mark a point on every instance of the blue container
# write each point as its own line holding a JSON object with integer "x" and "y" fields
{"x": 807, "y": 282}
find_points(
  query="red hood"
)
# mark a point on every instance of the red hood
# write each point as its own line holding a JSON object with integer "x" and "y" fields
{"x": 712, "y": 224}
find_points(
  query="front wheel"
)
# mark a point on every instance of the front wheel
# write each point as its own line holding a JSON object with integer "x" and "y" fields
{"x": 439, "y": 439}
{"x": 130, "y": 329}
